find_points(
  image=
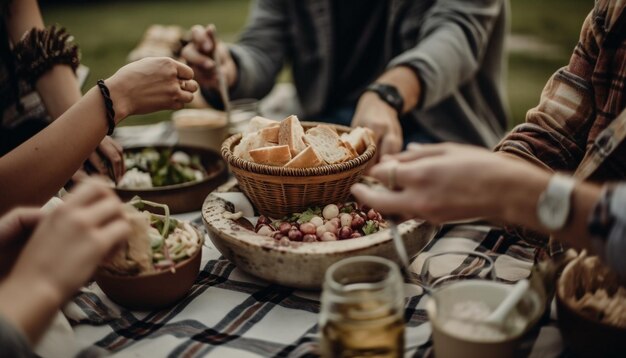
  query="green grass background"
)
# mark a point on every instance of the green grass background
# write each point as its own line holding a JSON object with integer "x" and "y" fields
{"x": 107, "y": 31}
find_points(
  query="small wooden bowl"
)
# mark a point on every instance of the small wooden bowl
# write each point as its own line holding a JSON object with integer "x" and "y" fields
{"x": 583, "y": 335}
{"x": 299, "y": 264}
{"x": 186, "y": 197}
{"x": 279, "y": 191}
{"x": 151, "y": 291}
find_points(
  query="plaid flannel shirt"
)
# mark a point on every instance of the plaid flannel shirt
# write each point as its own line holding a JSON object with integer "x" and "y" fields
{"x": 570, "y": 128}
{"x": 579, "y": 125}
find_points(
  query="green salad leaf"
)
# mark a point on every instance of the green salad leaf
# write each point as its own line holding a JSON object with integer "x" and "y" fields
{"x": 370, "y": 227}
{"x": 308, "y": 214}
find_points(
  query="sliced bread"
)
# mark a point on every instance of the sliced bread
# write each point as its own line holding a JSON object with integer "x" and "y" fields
{"x": 277, "y": 155}
{"x": 353, "y": 152}
{"x": 327, "y": 144}
{"x": 291, "y": 133}
{"x": 307, "y": 158}
{"x": 359, "y": 138}
{"x": 249, "y": 142}
{"x": 257, "y": 123}
{"x": 270, "y": 134}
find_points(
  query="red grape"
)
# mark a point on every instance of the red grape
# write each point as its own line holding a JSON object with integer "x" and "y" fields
{"x": 345, "y": 232}
{"x": 308, "y": 228}
{"x": 295, "y": 235}
{"x": 357, "y": 222}
{"x": 284, "y": 228}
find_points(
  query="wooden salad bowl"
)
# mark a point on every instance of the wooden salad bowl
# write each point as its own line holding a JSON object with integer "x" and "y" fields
{"x": 186, "y": 197}
{"x": 153, "y": 290}
{"x": 299, "y": 264}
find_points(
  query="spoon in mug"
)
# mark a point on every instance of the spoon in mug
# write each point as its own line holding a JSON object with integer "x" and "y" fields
{"x": 499, "y": 315}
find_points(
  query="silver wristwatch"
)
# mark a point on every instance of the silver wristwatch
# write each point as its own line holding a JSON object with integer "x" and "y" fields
{"x": 553, "y": 207}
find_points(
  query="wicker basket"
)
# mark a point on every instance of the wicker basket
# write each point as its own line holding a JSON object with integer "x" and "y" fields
{"x": 279, "y": 191}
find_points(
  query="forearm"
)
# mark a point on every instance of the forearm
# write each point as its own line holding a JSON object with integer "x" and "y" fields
{"x": 37, "y": 169}
{"x": 28, "y": 306}
{"x": 519, "y": 206}
{"x": 24, "y": 15}
{"x": 405, "y": 80}
{"x": 453, "y": 39}
{"x": 59, "y": 90}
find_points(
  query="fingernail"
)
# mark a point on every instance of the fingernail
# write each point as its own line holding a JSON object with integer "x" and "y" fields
{"x": 208, "y": 64}
{"x": 206, "y": 47}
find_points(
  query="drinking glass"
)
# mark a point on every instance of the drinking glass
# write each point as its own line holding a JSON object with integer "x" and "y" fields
{"x": 241, "y": 111}
{"x": 450, "y": 266}
{"x": 362, "y": 309}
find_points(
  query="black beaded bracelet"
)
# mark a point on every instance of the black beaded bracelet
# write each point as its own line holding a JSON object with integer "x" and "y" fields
{"x": 108, "y": 103}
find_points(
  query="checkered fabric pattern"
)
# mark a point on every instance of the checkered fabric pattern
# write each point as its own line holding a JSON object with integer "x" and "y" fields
{"x": 231, "y": 314}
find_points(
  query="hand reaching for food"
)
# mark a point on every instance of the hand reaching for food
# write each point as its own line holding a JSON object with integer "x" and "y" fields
{"x": 150, "y": 85}
{"x": 201, "y": 54}
{"x": 375, "y": 114}
{"x": 61, "y": 254}
{"x": 446, "y": 182}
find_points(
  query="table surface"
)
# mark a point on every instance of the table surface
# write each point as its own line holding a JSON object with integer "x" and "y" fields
{"x": 231, "y": 314}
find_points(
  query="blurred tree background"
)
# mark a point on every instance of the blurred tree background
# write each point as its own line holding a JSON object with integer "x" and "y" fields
{"x": 543, "y": 34}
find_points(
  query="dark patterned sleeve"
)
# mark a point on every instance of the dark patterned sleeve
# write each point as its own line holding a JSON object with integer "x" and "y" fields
{"x": 555, "y": 133}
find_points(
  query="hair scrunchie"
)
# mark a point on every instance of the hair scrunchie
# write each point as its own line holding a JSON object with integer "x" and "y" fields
{"x": 39, "y": 50}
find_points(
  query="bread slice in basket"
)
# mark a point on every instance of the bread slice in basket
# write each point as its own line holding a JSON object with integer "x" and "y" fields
{"x": 250, "y": 142}
{"x": 258, "y": 123}
{"x": 278, "y": 155}
{"x": 327, "y": 143}
{"x": 291, "y": 134}
{"x": 307, "y": 158}
{"x": 359, "y": 138}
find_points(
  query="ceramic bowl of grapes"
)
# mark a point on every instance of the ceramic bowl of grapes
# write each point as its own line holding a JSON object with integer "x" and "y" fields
{"x": 296, "y": 250}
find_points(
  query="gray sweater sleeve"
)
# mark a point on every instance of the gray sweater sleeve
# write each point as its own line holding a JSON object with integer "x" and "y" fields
{"x": 12, "y": 342}
{"x": 452, "y": 42}
{"x": 261, "y": 51}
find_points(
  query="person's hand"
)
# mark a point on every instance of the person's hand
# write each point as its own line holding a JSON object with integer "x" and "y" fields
{"x": 108, "y": 159}
{"x": 71, "y": 241}
{"x": 446, "y": 182}
{"x": 200, "y": 54}
{"x": 15, "y": 228}
{"x": 149, "y": 85}
{"x": 379, "y": 116}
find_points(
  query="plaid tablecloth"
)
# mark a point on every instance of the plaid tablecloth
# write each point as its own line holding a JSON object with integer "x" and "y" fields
{"x": 231, "y": 314}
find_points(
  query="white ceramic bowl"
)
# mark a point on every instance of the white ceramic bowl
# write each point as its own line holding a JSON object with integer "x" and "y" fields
{"x": 300, "y": 265}
{"x": 205, "y": 128}
{"x": 455, "y": 344}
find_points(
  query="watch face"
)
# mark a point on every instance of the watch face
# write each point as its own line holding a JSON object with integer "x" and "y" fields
{"x": 553, "y": 212}
{"x": 388, "y": 94}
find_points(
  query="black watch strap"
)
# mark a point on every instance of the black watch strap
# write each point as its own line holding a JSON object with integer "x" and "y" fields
{"x": 389, "y": 94}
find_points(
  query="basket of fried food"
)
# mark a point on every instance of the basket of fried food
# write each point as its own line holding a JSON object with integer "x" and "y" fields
{"x": 288, "y": 166}
{"x": 591, "y": 308}
{"x": 159, "y": 263}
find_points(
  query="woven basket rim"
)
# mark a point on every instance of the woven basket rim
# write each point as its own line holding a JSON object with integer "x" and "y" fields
{"x": 328, "y": 169}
